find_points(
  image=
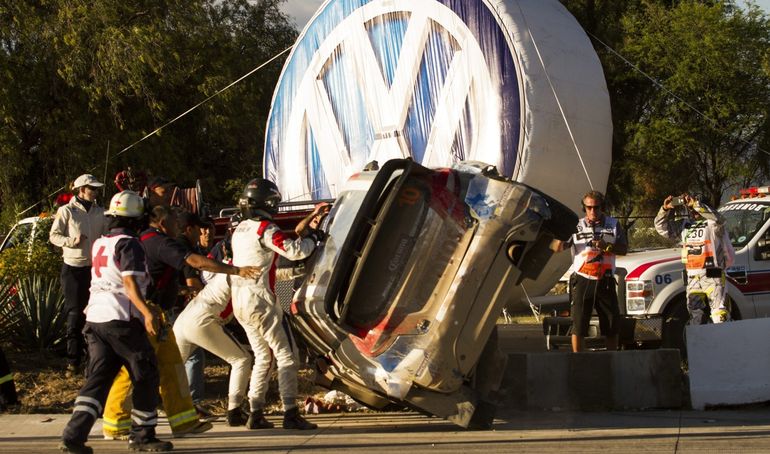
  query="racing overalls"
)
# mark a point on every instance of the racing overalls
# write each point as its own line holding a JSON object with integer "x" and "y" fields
{"x": 258, "y": 242}
{"x": 593, "y": 284}
{"x": 201, "y": 324}
{"x": 116, "y": 336}
{"x": 706, "y": 252}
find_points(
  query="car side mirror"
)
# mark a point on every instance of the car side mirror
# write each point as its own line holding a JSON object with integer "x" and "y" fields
{"x": 762, "y": 251}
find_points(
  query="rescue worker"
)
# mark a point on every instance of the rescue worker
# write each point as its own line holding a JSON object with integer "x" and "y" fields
{"x": 598, "y": 239}
{"x": 165, "y": 257}
{"x": 76, "y": 226}
{"x": 201, "y": 325}
{"x": 706, "y": 253}
{"x": 118, "y": 323}
{"x": 258, "y": 241}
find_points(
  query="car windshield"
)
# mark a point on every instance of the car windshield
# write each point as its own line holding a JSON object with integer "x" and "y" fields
{"x": 743, "y": 220}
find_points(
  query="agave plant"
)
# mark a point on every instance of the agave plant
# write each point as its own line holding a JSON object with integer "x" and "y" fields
{"x": 10, "y": 313}
{"x": 34, "y": 318}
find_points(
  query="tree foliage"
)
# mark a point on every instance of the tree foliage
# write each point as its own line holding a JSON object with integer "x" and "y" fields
{"x": 701, "y": 124}
{"x": 79, "y": 78}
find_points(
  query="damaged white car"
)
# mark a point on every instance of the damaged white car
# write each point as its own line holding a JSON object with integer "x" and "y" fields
{"x": 400, "y": 300}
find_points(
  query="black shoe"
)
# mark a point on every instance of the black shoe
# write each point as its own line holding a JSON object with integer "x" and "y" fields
{"x": 150, "y": 445}
{"x": 204, "y": 414}
{"x": 293, "y": 420}
{"x": 65, "y": 446}
{"x": 257, "y": 421}
{"x": 236, "y": 417}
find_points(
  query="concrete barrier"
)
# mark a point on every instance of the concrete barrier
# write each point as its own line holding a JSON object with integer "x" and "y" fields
{"x": 594, "y": 381}
{"x": 729, "y": 363}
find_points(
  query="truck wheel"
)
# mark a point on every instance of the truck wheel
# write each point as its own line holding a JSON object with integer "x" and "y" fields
{"x": 675, "y": 318}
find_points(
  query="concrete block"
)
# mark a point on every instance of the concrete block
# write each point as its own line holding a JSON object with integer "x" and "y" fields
{"x": 660, "y": 375}
{"x": 729, "y": 363}
{"x": 592, "y": 381}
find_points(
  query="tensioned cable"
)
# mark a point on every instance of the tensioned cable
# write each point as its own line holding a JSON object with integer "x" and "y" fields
{"x": 156, "y": 131}
{"x": 655, "y": 82}
{"x": 556, "y": 96}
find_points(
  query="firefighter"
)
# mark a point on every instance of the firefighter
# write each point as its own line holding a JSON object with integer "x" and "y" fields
{"x": 257, "y": 241}
{"x": 706, "y": 252}
{"x": 599, "y": 238}
{"x": 165, "y": 257}
{"x": 118, "y": 322}
{"x": 201, "y": 325}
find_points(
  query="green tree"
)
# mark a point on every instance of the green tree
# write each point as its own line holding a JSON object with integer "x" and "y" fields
{"x": 710, "y": 137}
{"x": 77, "y": 75}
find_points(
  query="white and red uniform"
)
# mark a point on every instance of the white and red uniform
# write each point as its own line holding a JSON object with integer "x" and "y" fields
{"x": 706, "y": 252}
{"x": 108, "y": 300}
{"x": 201, "y": 324}
{"x": 258, "y": 242}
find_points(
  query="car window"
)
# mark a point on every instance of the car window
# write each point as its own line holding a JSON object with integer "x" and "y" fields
{"x": 18, "y": 235}
{"x": 743, "y": 220}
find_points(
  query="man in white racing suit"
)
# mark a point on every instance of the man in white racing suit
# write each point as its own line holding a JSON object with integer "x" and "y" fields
{"x": 706, "y": 253}
{"x": 257, "y": 241}
{"x": 201, "y": 324}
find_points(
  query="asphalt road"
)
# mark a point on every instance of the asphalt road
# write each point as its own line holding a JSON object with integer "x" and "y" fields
{"x": 745, "y": 431}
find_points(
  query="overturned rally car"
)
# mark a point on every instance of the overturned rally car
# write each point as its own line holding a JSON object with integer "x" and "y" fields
{"x": 401, "y": 299}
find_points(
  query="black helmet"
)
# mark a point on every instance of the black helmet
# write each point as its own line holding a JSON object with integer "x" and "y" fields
{"x": 259, "y": 194}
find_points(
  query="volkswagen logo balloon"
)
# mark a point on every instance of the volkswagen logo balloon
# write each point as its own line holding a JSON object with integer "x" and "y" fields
{"x": 515, "y": 84}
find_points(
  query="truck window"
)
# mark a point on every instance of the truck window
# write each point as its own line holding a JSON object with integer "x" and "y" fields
{"x": 18, "y": 235}
{"x": 743, "y": 220}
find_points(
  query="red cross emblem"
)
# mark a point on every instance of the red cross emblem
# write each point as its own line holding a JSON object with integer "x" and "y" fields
{"x": 100, "y": 261}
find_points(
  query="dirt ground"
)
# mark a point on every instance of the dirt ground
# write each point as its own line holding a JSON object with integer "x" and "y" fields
{"x": 43, "y": 387}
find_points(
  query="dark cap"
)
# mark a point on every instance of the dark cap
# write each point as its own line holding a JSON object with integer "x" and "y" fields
{"x": 187, "y": 219}
{"x": 158, "y": 181}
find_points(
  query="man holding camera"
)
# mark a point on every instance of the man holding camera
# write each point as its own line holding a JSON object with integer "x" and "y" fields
{"x": 599, "y": 238}
{"x": 706, "y": 252}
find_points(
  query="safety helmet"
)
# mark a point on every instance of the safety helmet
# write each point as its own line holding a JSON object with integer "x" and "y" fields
{"x": 126, "y": 204}
{"x": 259, "y": 194}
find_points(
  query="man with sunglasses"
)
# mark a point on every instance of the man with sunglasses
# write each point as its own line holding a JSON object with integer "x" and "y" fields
{"x": 76, "y": 226}
{"x": 598, "y": 239}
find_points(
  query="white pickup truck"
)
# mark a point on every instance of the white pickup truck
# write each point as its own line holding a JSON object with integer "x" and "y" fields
{"x": 651, "y": 286}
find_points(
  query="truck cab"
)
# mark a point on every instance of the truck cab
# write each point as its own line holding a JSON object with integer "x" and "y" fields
{"x": 652, "y": 284}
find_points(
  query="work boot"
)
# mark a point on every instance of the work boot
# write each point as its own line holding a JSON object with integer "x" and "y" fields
{"x": 150, "y": 445}
{"x": 293, "y": 420}
{"x": 257, "y": 421}
{"x": 115, "y": 435}
{"x": 236, "y": 417}
{"x": 66, "y": 446}
{"x": 204, "y": 414}
{"x": 198, "y": 428}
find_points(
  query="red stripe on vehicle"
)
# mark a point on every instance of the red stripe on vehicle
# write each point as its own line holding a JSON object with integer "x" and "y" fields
{"x": 641, "y": 269}
{"x": 758, "y": 282}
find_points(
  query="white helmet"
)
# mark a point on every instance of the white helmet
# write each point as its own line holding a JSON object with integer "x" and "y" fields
{"x": 126, "y": 204}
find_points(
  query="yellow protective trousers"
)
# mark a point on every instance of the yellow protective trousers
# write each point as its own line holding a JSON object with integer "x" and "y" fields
{"x": 174, "y": 393}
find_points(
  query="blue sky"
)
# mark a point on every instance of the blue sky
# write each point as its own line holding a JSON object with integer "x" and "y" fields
{"x": 303, "y": 10}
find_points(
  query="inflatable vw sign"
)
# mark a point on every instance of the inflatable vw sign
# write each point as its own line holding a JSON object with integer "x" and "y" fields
{"x": 510, "y": 83}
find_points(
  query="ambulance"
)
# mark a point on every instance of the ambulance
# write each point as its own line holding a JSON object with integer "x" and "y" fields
{"x": 651, "y": 283}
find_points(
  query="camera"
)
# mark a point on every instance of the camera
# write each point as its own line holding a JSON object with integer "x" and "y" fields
{"x": 678, "y": 201}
